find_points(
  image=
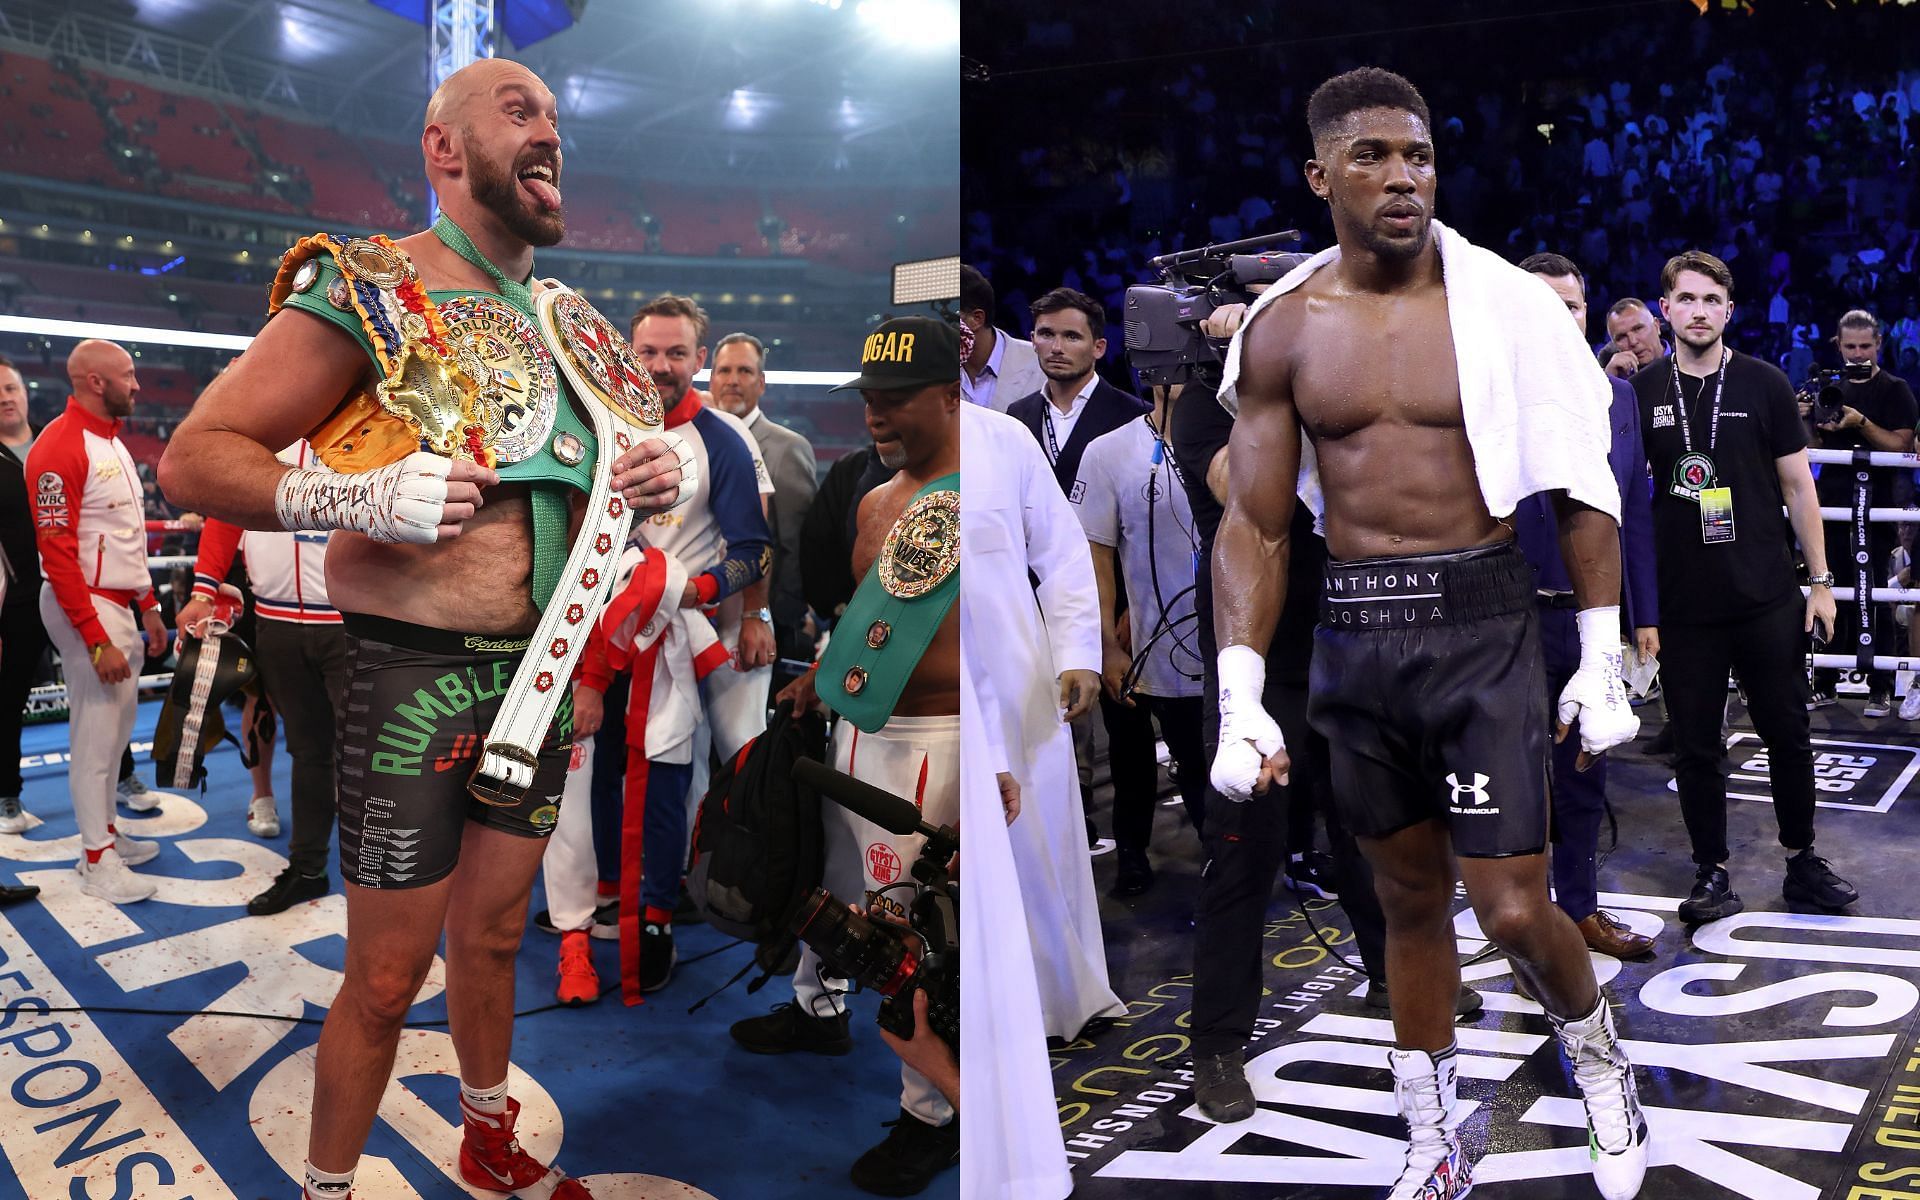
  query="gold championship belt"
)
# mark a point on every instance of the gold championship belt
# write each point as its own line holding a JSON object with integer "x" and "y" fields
{"x": 435, "y": 391}
{"x": 922, "y": 548}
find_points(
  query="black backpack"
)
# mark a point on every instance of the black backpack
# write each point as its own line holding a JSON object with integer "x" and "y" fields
{"x": 758, "y": 848}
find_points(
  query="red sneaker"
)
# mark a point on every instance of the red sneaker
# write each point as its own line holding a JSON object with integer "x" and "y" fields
{"x": 491, "y": 1157}
{"x": 579, "y": 982}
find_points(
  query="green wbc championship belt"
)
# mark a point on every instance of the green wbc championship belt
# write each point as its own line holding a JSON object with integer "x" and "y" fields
{"x": 879, "y": 640}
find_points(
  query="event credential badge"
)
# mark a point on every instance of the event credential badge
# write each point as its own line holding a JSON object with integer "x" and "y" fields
{"x": 1716, "y": 515}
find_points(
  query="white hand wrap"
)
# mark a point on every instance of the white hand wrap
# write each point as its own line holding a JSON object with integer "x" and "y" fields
{"x": 400, "y": 502}
{"x": 689, "y": 466}
{"x": 1596, "y": 696}
{"x": 1247, "y": 734}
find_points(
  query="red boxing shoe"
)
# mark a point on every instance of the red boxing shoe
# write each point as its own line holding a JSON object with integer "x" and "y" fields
{"x": 491, "y": 1157}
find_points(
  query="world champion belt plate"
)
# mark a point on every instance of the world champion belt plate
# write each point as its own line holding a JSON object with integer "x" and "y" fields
{"x": 519, "y": 385}
{"x": 373, "y": 263}
{"x": 923, "y": 547}
{"x": 602, "y": 357}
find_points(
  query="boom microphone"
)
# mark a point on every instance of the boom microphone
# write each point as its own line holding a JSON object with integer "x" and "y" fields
{"x": 883, "y": 808}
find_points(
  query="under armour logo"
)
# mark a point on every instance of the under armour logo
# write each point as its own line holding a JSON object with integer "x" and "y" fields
{"x": 1477, "y": 789}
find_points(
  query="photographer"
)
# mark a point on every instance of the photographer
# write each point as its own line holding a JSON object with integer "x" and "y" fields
{"x": 1876, "y": 411}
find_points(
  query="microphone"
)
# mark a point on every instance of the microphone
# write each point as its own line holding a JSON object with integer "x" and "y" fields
{"x": 883, "y": 808}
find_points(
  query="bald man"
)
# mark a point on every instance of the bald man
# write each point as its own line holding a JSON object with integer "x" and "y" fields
{"x": 89, "y": 521}
{"x": 442, "y": 568}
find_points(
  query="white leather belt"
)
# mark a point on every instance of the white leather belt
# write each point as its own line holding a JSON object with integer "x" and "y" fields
{"x": 204, "y": 670}
{"x": 616, "y": 393}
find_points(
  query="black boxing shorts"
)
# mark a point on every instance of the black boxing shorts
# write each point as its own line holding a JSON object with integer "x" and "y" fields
{"x": 419, "y": 705}
{"x": 1426, "y": 682}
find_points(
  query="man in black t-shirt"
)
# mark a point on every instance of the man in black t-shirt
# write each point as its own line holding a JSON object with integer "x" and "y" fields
{"x": 1878, "y": 414}
{"x": 1728, "y": 450}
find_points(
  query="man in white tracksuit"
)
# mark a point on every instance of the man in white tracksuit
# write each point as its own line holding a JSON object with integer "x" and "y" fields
{"x": 90, "y": 522}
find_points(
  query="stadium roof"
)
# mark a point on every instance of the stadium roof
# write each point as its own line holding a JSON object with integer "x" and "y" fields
{"x": 810, "y": 92}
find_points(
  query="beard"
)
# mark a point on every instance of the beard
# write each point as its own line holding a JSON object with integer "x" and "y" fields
{"x": 893, "y": 455}
{"x": 499, "y": 192}
{"x": 1396, "y": 249}
{"x": 671, "y": 390}
{"x": 1697, "y": 339}
{"x": 1063, "y": 374}
{"x": 118, "y": 401}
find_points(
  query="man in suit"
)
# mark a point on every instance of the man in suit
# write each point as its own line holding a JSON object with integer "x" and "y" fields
{"x": 1074, "y": 405}
{"x": 1072, "y": 408}
{"x": 1000, "y": 368}
{"x": 1579, "y": 798}
{"x": 739, "y": 381}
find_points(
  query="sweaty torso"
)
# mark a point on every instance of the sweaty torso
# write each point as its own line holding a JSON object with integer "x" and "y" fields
{"x": 1375, "y": 386}
{"x": 933, "y": 690}
{"x": 478, "y": 582}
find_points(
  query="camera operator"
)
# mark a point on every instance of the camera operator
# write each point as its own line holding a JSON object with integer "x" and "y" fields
{"x": 1728, "y": 449}
{"x": 1876, "y": 412}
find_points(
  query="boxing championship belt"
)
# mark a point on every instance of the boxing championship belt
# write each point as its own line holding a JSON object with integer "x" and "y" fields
{"x": 624, "y": 407}
{"x": 436, "y": 391}
{"x": 212, "y": 668}
{"x": 897, "y": 609}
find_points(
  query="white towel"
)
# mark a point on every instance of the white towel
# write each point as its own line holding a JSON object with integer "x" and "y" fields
{"x": 689, "y": 650}
{"x": 1536, "y": 402}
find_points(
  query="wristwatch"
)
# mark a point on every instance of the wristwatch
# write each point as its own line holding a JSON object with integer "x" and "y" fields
{"x": 762, "y": 615}
{"x": 1825, "y": 581}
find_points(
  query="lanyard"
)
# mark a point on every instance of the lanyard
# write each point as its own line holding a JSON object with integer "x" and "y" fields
{"x": 1053, "y": 444}
{"x": 455, "y": 239}
{"x": 1680, "y": 399}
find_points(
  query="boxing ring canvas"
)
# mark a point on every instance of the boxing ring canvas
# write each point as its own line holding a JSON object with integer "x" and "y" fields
{"x": 1778, "y": 1051}
{"x": 645, "y": 1103}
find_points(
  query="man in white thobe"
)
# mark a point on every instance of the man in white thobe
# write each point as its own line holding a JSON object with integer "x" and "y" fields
{"x": 1015, "y": 520}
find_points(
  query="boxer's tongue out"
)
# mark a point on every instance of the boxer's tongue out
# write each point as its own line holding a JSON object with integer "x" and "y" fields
{"x": 538, "y": 181}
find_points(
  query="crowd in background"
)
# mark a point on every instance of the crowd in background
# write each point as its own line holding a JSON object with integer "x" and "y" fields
{"x": 1616, "y": 157}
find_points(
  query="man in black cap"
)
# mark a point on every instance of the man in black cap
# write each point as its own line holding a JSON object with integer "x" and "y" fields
{"x": 892, "y": 671}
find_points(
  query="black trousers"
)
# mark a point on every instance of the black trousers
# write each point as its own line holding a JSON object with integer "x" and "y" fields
{"x": 1846, "y": 624}
{"x": 23, "y": 643}
{"x": 1246, "y": 847}
{"x": 1578, "y": 798}
{"x": 1769, "y": 650}
{"x": 1136, "y": 775}
{"x": 305, "y": 669}
{"x": 1134, "y": 784}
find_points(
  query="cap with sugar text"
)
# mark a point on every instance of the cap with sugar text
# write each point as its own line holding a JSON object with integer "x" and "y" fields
{"x": 907, "y": 352}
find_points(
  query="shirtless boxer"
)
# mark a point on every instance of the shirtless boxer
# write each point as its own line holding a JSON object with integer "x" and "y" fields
{"x": 443, "y": 571}
{"x": 1426, "y": 668}
{"x": 892, "y": 672}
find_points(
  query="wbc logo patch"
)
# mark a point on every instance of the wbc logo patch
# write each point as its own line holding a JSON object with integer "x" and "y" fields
{"x": 50, "y": 502}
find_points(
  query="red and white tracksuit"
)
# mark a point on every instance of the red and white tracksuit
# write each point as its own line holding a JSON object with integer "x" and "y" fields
{"x": 288, "y": 571}
{"x": 90, "y": 521}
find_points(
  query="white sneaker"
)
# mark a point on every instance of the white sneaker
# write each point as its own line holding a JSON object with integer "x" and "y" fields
{"x": 1616, "y": 1128}
{"x": 110, "y": 880}
{"x": 1425, "y": 1087}
{"x": 135, "y": 796}
{"x": 1910, "y": 704}
{"x": 132, "y": 852}
{"x": 13, "y": 818}
{"x": 263, "y": 820}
